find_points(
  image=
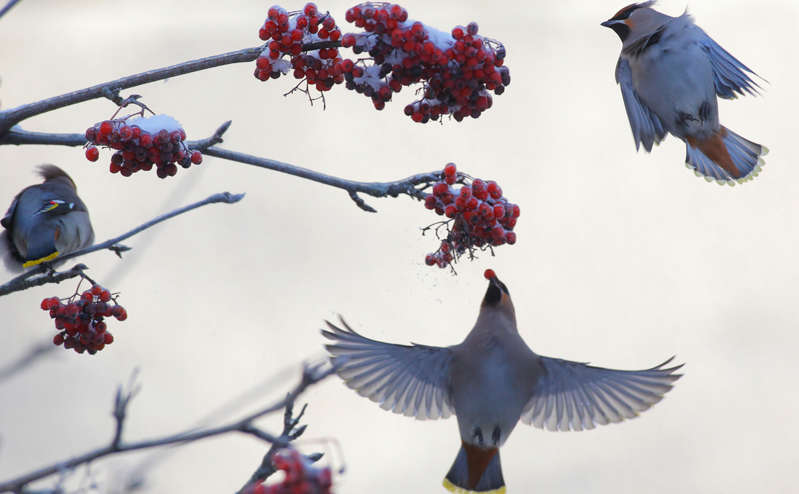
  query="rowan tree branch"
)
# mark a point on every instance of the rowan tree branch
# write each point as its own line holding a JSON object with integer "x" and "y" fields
{"x": 32, "y": 276}
{"x": 290, "y": 433}
{"x": 7, "y": 7}
{"x": 407, "y": 186}
{"x": 208, "y": 146}
{"x": 310, "y": 376}
{"x": 12, "y": 116}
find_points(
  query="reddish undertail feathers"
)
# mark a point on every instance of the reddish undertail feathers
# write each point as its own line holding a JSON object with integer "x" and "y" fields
{"x": 725, "y": 157}
{"x": 475, "y": 470}
{"x": 457, "y": 70}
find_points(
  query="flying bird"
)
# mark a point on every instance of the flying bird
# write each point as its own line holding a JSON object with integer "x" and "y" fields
{"x": 670, "y": 73}
{"x": 44, "y": 221}
{"x": 490, "y": 381}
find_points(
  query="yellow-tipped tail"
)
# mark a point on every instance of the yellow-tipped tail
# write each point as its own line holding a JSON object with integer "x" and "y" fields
{"x": 34, "y": 262}
{"x": 460, "y": 490}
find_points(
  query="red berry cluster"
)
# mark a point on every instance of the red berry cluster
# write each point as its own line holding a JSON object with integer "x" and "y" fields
{"x": 142, "y": 143}
{"x": 288, "y": 32}
{"x": 301, "y": 476}
{"x": 80, "y": 320}
{"x": 479, "y": 216}
{"x": 457, "y": 69}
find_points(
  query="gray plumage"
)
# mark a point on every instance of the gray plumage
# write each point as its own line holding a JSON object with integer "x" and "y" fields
{"x": 45, "y": 221}
{"x": 491, "y": 380}
{"x": 670, "y": 73}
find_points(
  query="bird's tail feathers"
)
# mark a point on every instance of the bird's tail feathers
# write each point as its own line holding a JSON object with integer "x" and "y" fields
{"x": 725, "y": 157}
{"x": 52, "y": 172}
{"x": 8, "y": 255}
{"x": 475, "y": 470}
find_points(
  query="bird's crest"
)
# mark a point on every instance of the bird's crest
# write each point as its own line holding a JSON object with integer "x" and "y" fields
{"x": 626, "y": 11}
{"x": 52, "y": 172}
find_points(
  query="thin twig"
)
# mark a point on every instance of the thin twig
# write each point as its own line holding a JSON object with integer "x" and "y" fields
{"x": 34, "y": 353}
{"x": 8, "y": 7}
{"x": 310, "y": 375}
{"x": 290, "y": 433}
{"x": 24, "y": 280}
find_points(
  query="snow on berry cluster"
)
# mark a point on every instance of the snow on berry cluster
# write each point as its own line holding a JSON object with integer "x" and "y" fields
{"x": 141, "y": 143}
{"x": 288, "y": 32}
{"x": 80, "y": 320}
{"x": 301, "y": 476}
{"x": 457, "y": 70}
{"x": 479, "y": 216}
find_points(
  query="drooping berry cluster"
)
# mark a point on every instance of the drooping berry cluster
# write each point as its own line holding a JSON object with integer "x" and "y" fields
{"x": 141, "y": 143}
{"x": 457, "y": 70}
{"x": 301, "y": 476}
{"x": 479, "y": 216}
{"x": 288, "y": 32}
{"x": 81, "y": 319}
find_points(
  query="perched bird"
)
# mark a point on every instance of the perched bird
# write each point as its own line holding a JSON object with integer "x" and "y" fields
{"x": 670, "y": 72}
{"x": 45, "y": 221}
{"x": 490, "y": 381}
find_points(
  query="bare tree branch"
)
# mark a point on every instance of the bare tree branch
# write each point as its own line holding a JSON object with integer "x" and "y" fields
{"x": 8, "y": 7}
{"x": 290, "y": 433}
{"x": 34, "y": 353}
{"x": 12, "y": 116}
{"x": 28, "y": 279}
{"x": 406, "y": 186}
{"x": 310, "y": 376}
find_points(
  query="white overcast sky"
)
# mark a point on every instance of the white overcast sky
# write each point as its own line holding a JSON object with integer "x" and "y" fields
{"x": 623, "y": 258}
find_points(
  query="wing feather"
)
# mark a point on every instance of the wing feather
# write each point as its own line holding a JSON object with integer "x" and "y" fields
{"x": 576, "y": 396}
{"x": 411, "y": 380}
{"x": 646, "y": 125}
{"x": 730, "y": 76}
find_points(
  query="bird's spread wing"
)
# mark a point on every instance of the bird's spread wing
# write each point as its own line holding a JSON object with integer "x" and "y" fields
{"x": 577, "y": 396}
{"x": 646, "y": 126}
{"x": 411, "y": 380}
{"x": 729, "y": 74}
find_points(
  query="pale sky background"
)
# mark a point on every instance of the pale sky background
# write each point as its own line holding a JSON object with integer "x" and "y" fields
{"x": 623, "y": 258}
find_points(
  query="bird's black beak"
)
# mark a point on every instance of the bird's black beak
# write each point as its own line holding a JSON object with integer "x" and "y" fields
{"x": 619, "y": 26}
{"x": 494, "y": 291}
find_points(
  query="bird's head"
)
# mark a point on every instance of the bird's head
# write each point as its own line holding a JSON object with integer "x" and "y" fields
{"x": 635, "y": 19}
{"x": 497, "y": 295}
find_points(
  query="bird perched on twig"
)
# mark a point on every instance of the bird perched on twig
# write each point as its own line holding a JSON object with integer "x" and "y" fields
{"x": 490, "y": 381}
{"x": 45, "y": 221}
{"x": 670, "y": 72}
